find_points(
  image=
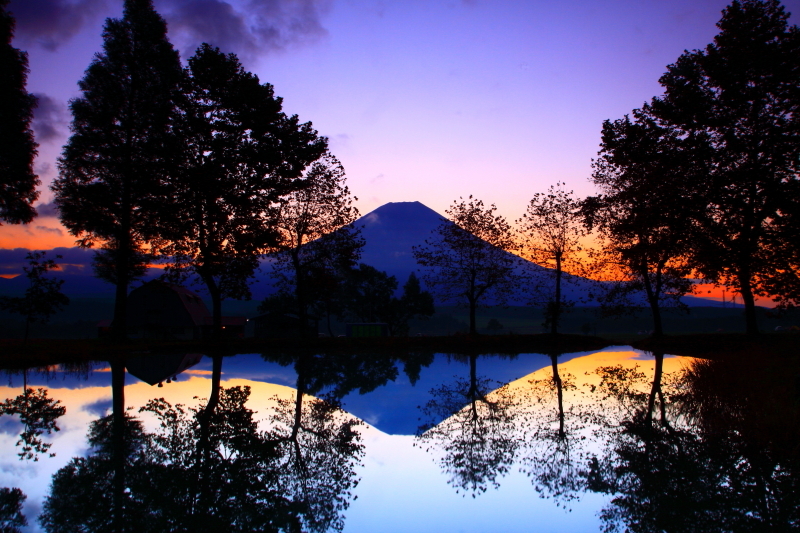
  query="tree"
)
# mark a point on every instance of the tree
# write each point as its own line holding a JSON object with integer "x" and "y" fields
{"x": 11, "y": 517}
{"x": 38, "y": 414}
{"x": 551, "y": 230}
{"x": 241, "y": 155}
{"x": 740, "y": 96}
{"x": 318, "y": 239}
{"x": 644, "y": 214}
{"x": 466, "y": 259}
{"x": 43, "y": 297}
{"x": 112, "y": 173}
{"x": 414, "y": 303}
{"x": 369, "y": 294}
{"x": 17, "y": 147}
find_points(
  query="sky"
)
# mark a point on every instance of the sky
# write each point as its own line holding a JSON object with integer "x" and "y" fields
{"x": 422, "y": 100}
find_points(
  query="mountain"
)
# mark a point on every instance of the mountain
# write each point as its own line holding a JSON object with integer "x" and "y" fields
{"x": 393, "y": 229}
{"x": 390, "y": 232}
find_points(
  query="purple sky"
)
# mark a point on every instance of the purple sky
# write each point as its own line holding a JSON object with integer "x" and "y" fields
{"x": 422, "y": 100}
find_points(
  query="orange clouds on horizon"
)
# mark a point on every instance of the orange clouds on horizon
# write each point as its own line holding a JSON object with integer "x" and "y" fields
{"x": 44, "y": 233}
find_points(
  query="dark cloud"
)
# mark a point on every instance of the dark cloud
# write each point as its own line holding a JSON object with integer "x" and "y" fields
{"x": 47, "y": 210}
{"x": 212, "y": 21}
{"x": 50, "y": 119}
{"x": 100, "y": 408}
{"x": 51, "y": 23}
{"x": 46, "y": 229}
{"x": 245, "y": 28}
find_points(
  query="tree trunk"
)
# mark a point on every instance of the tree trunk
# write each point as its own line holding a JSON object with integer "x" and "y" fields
{"x": 473, "y": 330}
{"x": 118, "y": 439}
{"x": 749, "y": 301}
{"x": 119, "y": 326}
{"x": 652, "y": 300}
{"x": 655, "y": 389}
{"x": 473, "y": 385}
{"x": 204, "y": 485}
{"x": 216, "y": 305}
{"x": 299, "y": 292}
{"x": 557, "y": 303}
{"x": 560, "y": 390}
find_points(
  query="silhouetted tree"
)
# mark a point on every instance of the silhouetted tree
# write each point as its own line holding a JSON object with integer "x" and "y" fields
{"x": 17, "y": 148}
{"x": 43, "y": 297}
{"x": 466, "y": 259}
{"x": 11, "y": 517}
{"x": 644, "y": 215}
{"x": 105, "y": 263}
{"x": 550, "y": 231}
{"x": 111, "y": 185}
{"x": 318, "y": 240}
{"x": 738, "y": 99}
{"x": 369, "y": 294}
{"x": 241, "y": 155}
{"x": 413, "y": 304}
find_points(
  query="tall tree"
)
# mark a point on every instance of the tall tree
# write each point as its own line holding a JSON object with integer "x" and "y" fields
{"x": 317, "y": 236}
{"x": 17, "y": 148}
{"x": 741, "y": 95}
{"x": 466, "y": 258}
{"x": 551, "y": 230}
{"x": 242, "y": 154}
{"x": 111, "y": 186}
{"x": 645, "y": 213}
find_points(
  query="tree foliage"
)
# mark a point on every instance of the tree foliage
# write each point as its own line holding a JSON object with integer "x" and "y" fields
{"x": 111, "y": 188}
{"x": 38, "y": 414}
{"x": 241, "y": 155}
{"x": 466, "y": 258}
{"x": 645, "y": 214}
{"x": 318, "y": 240}
{"x": 17, "y": 146}
{"x": 550, "y": 231}
{"x": 218, "y": 474}
{"x": 738, "y": 100}
{"x": 11, "y": 517}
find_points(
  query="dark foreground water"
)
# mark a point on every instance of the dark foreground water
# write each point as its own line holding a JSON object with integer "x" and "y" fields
{"x": 613, "y": 440}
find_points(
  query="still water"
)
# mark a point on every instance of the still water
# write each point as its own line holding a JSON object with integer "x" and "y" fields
{"x": 611, "y": 440}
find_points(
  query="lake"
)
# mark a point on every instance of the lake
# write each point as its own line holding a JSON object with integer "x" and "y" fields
{"x": 610, "y": 440}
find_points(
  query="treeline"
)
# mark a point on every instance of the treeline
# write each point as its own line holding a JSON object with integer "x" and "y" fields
{"x": 200, "y": 167}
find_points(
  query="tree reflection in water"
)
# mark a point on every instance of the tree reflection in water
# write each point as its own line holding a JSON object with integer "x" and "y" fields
{"x": 554, "y": 437}
{"x": 722, "y": 456}
{"x": 473, "y": 435}
{"x": 38, "y": 413}
{"x": 210, "y": 468}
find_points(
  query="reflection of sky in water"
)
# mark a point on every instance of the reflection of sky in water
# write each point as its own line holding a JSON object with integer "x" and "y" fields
{"x": 402, "y": 488}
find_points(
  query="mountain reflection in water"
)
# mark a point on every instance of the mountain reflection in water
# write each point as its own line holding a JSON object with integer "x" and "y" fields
{"x": 610, "y": 441}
